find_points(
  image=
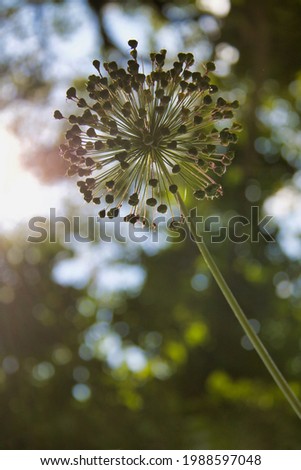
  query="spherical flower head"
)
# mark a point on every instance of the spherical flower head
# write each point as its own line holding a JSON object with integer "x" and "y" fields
{"x": 142, "y": 137}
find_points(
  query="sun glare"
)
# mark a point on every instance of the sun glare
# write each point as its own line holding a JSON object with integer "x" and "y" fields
{"x": 10, "y": 149}
{"x": 21, "y": 194}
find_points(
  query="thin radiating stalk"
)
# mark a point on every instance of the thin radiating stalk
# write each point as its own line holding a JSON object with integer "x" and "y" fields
{"x": 253, "y": 337}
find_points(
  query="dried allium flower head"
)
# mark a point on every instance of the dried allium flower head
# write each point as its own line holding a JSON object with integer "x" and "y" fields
{"x": 141, "y": 136}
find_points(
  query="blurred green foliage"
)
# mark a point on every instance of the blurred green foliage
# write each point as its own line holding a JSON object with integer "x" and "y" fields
{"x": 198, "y": 384}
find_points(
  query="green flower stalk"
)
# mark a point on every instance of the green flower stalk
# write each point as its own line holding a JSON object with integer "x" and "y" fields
{"x": 142, "y": 137}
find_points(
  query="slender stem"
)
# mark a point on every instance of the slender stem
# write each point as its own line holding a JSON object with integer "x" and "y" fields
{"x": 256, "y": 342}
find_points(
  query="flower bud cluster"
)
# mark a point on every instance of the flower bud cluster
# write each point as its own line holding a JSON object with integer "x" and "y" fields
{"x": 140, "y": 137}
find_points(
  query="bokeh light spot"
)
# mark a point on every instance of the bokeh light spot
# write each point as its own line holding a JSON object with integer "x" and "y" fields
{"x": 43, "y": 371}
{"x": 81, "y": 392}
{"x": 10, "y": 364}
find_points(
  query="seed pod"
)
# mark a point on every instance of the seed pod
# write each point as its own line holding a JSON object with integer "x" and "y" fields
{"x": 146, "y": 136}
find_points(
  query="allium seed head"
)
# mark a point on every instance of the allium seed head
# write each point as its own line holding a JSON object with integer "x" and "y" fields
{"x": 140, "y": 137}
